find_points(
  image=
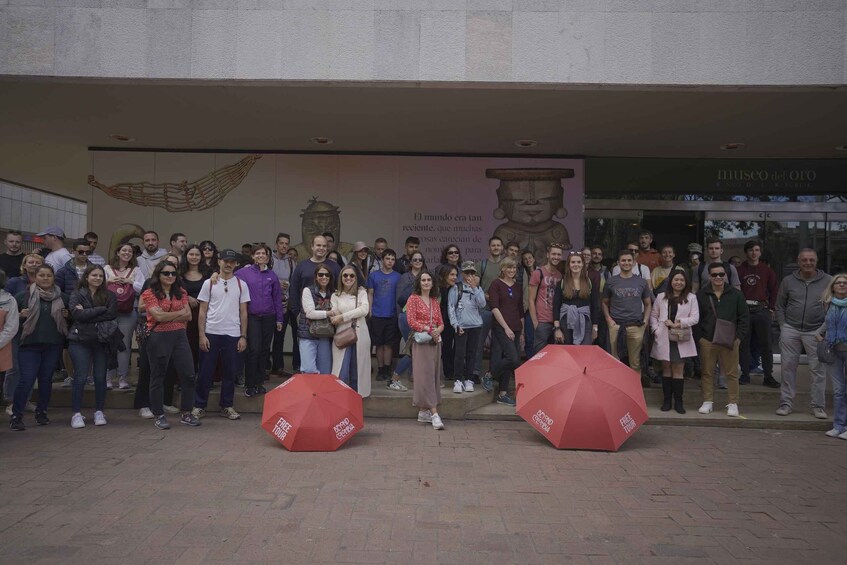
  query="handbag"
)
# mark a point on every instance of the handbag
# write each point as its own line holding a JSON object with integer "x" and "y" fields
{"x": 679, "y": 335}
{"x": 347, "y": 336}
{"x": 826, "y": 354}
{"x": 321, "y": 328}
{"x": 724, "y": 330}
{"x": 424, "y": 338}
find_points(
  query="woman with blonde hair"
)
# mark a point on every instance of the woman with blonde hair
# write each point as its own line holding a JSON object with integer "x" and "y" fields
{"x": 834, "y": 332}
{"x": 352, "y": 364}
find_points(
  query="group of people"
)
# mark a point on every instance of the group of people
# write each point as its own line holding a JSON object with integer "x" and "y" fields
{"x": 201, "y": 316}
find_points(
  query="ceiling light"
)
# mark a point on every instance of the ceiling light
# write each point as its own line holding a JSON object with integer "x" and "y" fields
{"x": 121, "y": 137}
{"x": 321, "y": 140}
{"x": 732, "y": 146}
{"x": 525, "y": 143}
{"x": 841, "y": 147}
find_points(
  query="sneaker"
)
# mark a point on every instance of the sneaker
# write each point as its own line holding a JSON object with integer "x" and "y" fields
{"x": 162, "y": 423}
{"x": 842, "y": 435}
{"x": 398, "y": 386}
{"x": 261, "y": 390}
{"x": 198, "y": 413}
{"x": 437, "y": 424}
{"x": 68, "y": 382}
{"x": 468, "y": 386}
{"x": 819, "y": 413}
{"x": 706, "y": 408}
{"x": 171, "y": 409}
{"x": 146, "y": 413}
{"x": 771, "y": 382}
{"x": 123, "y": 384}
{"x": 783, "y": 410}
{"x": 99, "y": 419}
{"x": 189, "y": 419}
{"x": 89, "y": 381}
{"x": 506, "y": 399}
{"x": 732, "y": 410}
{"x": 16, "y": 424}
{"x": 230, "y": 413}
{"x": 250, "y": 392}
{"x": 425, "y": 416}
{"x": 833, "y": 433}
{"x": 41, "y": 418}
{"x": 488, "y": 382}
{"x": 239, "y": 382}
{"x": 756, "y": 370}
{"x": 744, "y": 380}
{"x": 722, "y": 383}
{"x": 458, "y": 388}
{"x": 109, "y": 384}
{"x": 383, "y": 374}
{"x": 77, "y": 421}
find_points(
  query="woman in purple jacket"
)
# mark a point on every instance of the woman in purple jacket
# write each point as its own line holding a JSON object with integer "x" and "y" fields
{"x": 264, "y": 316}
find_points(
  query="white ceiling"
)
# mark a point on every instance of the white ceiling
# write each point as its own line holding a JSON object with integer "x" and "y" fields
{"x": 432, "y": 118}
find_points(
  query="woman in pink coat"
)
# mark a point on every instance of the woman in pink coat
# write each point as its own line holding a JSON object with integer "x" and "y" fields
{"x": 675, "y": 313}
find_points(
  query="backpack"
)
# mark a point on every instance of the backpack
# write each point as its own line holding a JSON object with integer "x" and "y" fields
{"x": 125, "y": 293}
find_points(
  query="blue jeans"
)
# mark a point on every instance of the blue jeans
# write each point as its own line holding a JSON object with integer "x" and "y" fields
{"x": 404, "y": 363}
{"x": 36, "y": 362}
{"x": 223, "y": 349}
{"x": 838, "y": 375}
{"x": 316, "y": 356}
{"x": 83, "y": 355}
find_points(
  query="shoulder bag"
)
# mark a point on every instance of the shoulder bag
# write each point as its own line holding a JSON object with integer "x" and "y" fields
{"x": 724, "y": 330}
{"x": 321, "y": 328}
{"x": 826, "y": 354}
{"x": 347, "y": 337}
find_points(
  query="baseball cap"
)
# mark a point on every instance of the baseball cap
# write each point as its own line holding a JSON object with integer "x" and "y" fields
{"x": 359, "y": 245}
{"x": 230, "y": 255}
{"x": 53, "y": 230}
{"x": 468, "y": 266}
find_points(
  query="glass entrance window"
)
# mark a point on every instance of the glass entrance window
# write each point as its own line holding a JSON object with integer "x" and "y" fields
{"x": 837, "y": 233}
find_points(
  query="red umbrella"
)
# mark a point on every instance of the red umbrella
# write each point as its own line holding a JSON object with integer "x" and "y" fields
{"x": 312, "y": 413}
{"x": 580, "y": 397}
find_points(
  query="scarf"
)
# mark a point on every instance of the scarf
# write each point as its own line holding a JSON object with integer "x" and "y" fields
{"x": 577, "y": 319}
{"x": 54, "y": 296}
{"x": 836, "y": 321}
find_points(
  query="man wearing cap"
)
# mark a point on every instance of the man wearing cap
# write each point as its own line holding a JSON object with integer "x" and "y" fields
{"x": 465, "y": 301}
{"x": 223, "y": 334}
{"x": 283, "y": 267}
{"x": 758, "y": 283}
{"x": 54, "y": 240}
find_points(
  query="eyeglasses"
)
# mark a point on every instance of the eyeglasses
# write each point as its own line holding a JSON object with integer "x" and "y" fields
{"x": 83, "y": 252}
{"x": 168, "y": 273}
{"x": 207, "y": 249}
{"x": 348, "y": 276}
{"x": 839, "y": 282}
{"x": 717, "y": 275}
{"x": 322, "y": 275}
{"x": 452, "y": 253}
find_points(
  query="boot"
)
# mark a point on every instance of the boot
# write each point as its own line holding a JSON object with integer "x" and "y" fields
{"x": 666, "y": 391}
{"x": 678, "y": 386}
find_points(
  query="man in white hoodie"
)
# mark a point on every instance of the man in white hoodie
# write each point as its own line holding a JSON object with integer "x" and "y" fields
{"x": 152, "y": 254}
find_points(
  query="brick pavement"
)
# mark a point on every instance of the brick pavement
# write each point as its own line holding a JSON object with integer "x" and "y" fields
{"x": 399, "y": 492}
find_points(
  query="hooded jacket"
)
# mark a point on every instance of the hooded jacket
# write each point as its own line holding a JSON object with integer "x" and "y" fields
{"x": 147, "y": 261}
{"x": 798, "y": 302}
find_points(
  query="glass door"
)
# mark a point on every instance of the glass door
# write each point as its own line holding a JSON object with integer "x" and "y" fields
{"x": 611, "y": 229}
{"x": 836, "y": 260}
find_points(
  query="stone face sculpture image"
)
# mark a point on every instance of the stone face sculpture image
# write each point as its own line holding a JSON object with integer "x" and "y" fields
{"x": 320, "y": 217}
{"x": 529, "y": 199}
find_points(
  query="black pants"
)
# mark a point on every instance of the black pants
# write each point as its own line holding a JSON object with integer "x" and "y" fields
{"x": 510, "y": 358}
{"x": 260, "y": 333}
{"x": 448, "y": 349}
{"x": 142, "y": 387}
{"x": 277, "y": 359}
{"x": 164, "y": 348}
{"x": 465, "y": 355}
{"x": 760, "y": 331}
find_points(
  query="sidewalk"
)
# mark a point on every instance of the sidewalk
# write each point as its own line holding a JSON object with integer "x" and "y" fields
{"x": 400, "y": 492}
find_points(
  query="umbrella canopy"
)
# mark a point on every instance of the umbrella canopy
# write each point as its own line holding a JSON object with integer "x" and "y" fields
{"x": 312, "y": 413}
{"x": 580, "y": 397}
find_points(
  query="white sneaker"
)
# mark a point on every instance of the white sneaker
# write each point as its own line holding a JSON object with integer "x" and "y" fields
{"x": 171, "y": 409}
{"x": 732, "y": 410}
{"x": 123, "y": 384}
{"x": 146, "y": 413}
{"x": 68, "y": 382}
{"x": 425, "y": 416}
{"x": 77, "y": 421}
{"x": 109, "y": 384}
{"x": 437, "y": 424}
{"x": 706, "y": 408}
{"x": 833, "y": 433}
{"x": 458, "y": 388}
{"x": 398, "y": 386}
{"x": 99, "y": 419}
{"x": 468, "y": 386}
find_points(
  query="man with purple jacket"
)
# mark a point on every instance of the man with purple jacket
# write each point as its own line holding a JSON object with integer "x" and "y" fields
{"x": 264, "y": 316}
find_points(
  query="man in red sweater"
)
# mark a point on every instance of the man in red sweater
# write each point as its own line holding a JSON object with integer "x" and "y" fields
{"x": 759, "y": 285}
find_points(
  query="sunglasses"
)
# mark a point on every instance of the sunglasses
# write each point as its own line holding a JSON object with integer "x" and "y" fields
{"x": 83, "y": 252}
{"x": 416, "y": 260}
{"x": 348, "y": 276}
{"x": 717, "y": 275}
{"x": 322, "y": 276}
{"x": 452, "y": 253}
{"x": 168, "y": 273}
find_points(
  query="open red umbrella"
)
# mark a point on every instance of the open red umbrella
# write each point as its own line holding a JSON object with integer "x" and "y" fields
{"x": 312, "y": 413}
{"x": 580, "y": 397}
